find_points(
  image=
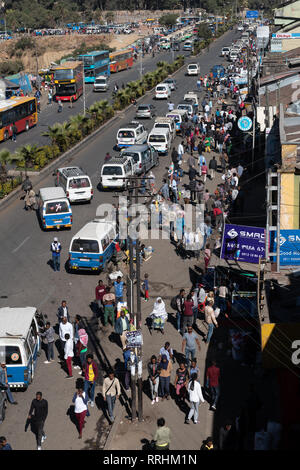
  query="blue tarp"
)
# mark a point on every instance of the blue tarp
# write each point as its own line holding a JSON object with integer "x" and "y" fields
{"x": 22, "y": 80}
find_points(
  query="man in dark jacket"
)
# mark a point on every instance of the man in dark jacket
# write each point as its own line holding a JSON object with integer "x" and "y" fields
{"x": 38, "y": 413}
{"x": 213, "y": 165}
{"x": 192, "y": 173}
{"x": 121, "y": 327}
{"x": 63, "y": 311}
{"x": 180, "y": 307}
{"x": 227, "y": 437}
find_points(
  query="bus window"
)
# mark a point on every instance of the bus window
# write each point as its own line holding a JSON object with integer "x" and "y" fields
{"x": 12, "y": 355}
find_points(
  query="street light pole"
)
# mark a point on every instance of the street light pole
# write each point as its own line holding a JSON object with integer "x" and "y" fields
{"x": 84, "y": 102}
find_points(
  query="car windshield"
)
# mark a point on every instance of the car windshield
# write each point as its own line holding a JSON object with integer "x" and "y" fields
{"x": 174, "y": 116}
{"x": 85, "y": 246}
{"x": 125, "y": 134}
{"x": 161, "y": 124}
{"x": 133, "y": 155}
{"x": 157, "y": 138}
{"x": 112, "y": 171}
{"x": 78, "y": 183}
{"x": 57, "y": 207}
{"x": 184, "y": 106}
{"x": 143, "y": 108}
{"x": 192, "y": 66}
{"x": 160, "y": 88}
{"x": 100, "y": 81}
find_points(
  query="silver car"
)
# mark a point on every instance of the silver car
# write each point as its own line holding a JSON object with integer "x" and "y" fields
{"x": 171, "y": 82}
{"x": 145, "y": 111}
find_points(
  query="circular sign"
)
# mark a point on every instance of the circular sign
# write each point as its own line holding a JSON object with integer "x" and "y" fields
{"x": 15, "y": 357}
{"x": 244, "y": 123}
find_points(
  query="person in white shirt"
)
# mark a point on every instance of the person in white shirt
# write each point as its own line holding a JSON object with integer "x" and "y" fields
{"x": 195, "y": 397}
{"x": 234, "y": 180}
{"x": 180, "y": 151}
{"x": 222, "y": 294}
{"x": 69, "y": 354}
{"x": 234, "y": 193}
{"x": 80, "y": 400}
{"x": 64, "y": 327}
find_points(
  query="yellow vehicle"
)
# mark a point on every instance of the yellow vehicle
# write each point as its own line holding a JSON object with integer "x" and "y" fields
{"x": 18, "y": 111}
{"x": 68, "y": 79}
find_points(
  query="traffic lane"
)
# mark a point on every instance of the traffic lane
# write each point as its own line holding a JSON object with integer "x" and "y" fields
{"x": 91, "y": 159}
{"x": 49, "y": 115}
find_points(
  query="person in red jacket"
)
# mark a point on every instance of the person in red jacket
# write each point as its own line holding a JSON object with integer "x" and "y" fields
{"x": 212, "y": 382}
{"x": 90, "y": 376}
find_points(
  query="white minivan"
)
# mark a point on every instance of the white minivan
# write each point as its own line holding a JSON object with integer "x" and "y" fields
{"x": 166, "y": 123}
{"x": 75, "y": 182}
{"x": 162, "y": 91}
{"x": 101, "y": 83}
{"x": 193, "y": 69}
{"x": 160, "y": 139}
{"x": 132, "y": 133}
{"x": 114, "y": 173}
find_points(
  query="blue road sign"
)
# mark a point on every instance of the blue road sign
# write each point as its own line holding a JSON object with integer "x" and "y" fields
{"x": 244, "y": 123}
{"x": 252, "y": 14}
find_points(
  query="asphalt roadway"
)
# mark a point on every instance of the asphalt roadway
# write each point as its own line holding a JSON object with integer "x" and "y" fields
{"x": 27, "y": 278}
{"x": 49, "y": 114}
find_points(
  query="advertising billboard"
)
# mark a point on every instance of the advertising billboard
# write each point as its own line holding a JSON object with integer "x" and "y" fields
{"x": 243, "y": 243}
{"x": 289, "y": 247}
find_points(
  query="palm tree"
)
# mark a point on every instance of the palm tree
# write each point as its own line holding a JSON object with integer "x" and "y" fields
{"x": 26, "y": 155}
{"x": 5, "y": 158}
{"x": 58, "y": 134}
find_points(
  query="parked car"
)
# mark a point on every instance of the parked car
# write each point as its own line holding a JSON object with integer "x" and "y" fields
{"x": 171, "y": 82}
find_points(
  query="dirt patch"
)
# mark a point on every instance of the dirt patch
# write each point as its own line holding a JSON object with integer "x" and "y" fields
{"x": 53, "y": 48}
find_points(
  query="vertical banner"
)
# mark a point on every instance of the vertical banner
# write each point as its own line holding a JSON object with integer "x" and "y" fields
{"x": 242, "y": 243}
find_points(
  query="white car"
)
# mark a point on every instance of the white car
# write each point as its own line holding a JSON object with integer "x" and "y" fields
{"x": 225, "y": 51}
{"x": 193, "y": 69}
{"x": 162, "y": 91}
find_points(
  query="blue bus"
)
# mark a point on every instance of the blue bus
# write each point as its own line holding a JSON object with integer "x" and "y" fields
{"x": 95, "y": 63}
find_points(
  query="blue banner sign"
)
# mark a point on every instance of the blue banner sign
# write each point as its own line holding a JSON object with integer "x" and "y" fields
{"x": 242, "y": 243}
{"x": 289, "y": 247}
{"x": 252, "y": 14}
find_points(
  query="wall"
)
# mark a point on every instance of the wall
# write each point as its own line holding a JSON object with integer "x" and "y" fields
{"x": 289, "y": 207}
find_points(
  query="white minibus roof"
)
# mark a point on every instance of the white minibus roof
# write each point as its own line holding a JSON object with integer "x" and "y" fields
{"x": 15, "y": 321}
{"x": 49, "y": 194}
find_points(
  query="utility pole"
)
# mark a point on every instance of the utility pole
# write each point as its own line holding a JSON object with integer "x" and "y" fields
{"x": 84, "y": 102}
{"x": 278, "y": 221}
{"x": 139, "y": 315}
{"x": 253, "y": 134}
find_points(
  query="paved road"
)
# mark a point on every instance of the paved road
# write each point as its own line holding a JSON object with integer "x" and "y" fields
{"x": 27, "y": 279}
{"x": 50, "y": 116}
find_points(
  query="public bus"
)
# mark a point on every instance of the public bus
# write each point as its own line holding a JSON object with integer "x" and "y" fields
{"x": 95, "y": 63}
{"x": 121, "y": 60}
{"x": 68, "y": 79}
{"x": 21, "y": 111}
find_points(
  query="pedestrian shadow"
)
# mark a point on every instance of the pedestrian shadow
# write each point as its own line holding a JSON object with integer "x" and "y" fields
{"x": 71, "y": 413}
{"x": 102, "y": 405}
{"x": 179, "y": 357}
{"x": 146, "y": 445}
{"x": 115, "y": 338}
{"x": 172, "y": 320}
{"x": 50, "y": 263}
{"x": 195, "y": 275}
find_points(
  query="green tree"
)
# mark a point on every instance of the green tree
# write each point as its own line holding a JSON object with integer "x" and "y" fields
{"x": 168, "y": 20}
{"x": 109, "y": 16}
{"x": 5, "y": 158}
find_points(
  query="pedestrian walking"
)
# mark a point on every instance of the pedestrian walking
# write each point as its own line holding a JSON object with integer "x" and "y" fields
{"x": 188, "y": 314}
{"x": 153, "y": 371}
{"x": 165, "y": 367}
{"x": 207, "y": 256}
{"x": 212, "y": 383}
{"x": 90, "y": 370}
{"x": 100, "y": 291}
{"x": 50, "y": 96}
{"x": 194, "y": 368}
{"x": 14, "y": 130}
{"x": 145, "y": 286}
{"x": 64, "y": 328}
{"x": 159, "y": 315}
{"x": 213, "y": 165}
{"x": 38, "y": 414}
{"x": 109, "y": 300}
{"x": 228, "y": 436}
{"x": 60, "y": 106}
{"x": 167, "y": 351}
{"x": 111, "y": 391}
{"x": 204, "y": 172}
{"x": 162, "y": 436}
{"x": 69, "y": 353}
{"x": 210, "y": 320}
{"x": 56, "y": 250}
{"x": 195, "y": 398}
{"x": 119, "y": 289}
{"x": 5, "y": 385}
{"x": 121, "y": 327}
{"x": 48, "y": 338}
{"x": 181, "y": 382}
{"x": 81, "y": 349}
{"x": 63, "y": 311}
{"x": 189, "y": 343}
{"x": 81, "y": 410}
{"x": 180, "y": 307}
{"x": 4, "y": 445}
{"x": 222, "y": 297}
{"x": 208, "y": 444}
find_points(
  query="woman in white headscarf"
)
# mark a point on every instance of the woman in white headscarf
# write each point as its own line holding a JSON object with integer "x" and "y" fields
{"x": 159, "y": 315}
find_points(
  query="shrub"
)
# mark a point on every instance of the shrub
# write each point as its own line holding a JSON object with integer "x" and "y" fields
{"x": 10, "y": 67}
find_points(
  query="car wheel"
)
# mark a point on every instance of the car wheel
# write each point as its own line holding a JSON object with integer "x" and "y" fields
{"x": 31, "y": 375}
{"x": 6, "y": 135}
{"x": 27, "y": 126}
